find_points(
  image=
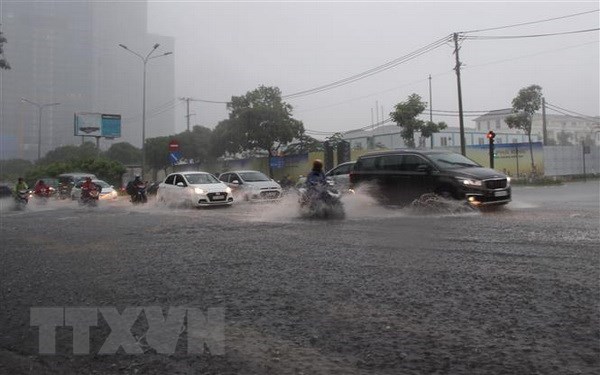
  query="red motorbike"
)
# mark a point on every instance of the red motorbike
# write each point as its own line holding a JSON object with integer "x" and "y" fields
{"x": 89, "y": 197}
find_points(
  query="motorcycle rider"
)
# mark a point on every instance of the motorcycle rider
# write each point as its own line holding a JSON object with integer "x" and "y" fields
{"x": 20, "y": 185}
{"x": 316, "y": 177}
{"x": 41, "y": 189}
{"x": 132, "y": 186}
{"x": 87, "y": 187}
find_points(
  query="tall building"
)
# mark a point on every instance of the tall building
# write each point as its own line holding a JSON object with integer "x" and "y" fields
{"x": 68, "y": 53}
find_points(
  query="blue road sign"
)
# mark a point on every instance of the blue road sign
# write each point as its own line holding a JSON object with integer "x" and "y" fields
{"x": 174, "y": 157}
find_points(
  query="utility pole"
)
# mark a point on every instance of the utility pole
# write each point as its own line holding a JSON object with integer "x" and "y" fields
{"x": 544, "y": 132}
{"x": 188, "y": 115}
{"x": 430, "y": 102}
{"x": 460, "y": 107}
{"x": 430, "y": 108}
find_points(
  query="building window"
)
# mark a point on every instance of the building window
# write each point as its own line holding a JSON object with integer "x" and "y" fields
{"x": 444, "y": 141}
{"x": 481, "y": 141}
{"x": 488, "y": 124}
{"x": 515, "y": 140}
{"x": 498, "y": 124}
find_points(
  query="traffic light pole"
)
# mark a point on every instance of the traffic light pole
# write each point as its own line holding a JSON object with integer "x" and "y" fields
{"x": 490, "y": 136}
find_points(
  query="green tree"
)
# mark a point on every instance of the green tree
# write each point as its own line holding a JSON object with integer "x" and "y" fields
{"x": 405, "y": 116}
{"x": 195, "y": 144}
{"x": 157, "y": 153}
{"x": 86, "y": 150}
{"x": 305, "y": 144}
{"x": 12, "y": 169}
{"x": 524, "y": 105}
{"x": 108, "y": 170}
{"x": 3, "y": 63}
{"x": 225, "y": 138}
{"x": 125, "y": 153}
{"x": 260, "y": 120}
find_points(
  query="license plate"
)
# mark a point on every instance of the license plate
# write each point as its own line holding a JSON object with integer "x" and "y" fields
{"x": 503, "y": 193}
{"x": 218, "y": 197}
{"x": 271, "y": 195}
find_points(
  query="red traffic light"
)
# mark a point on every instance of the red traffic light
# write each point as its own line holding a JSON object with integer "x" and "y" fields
{"x": 491, "y": 134}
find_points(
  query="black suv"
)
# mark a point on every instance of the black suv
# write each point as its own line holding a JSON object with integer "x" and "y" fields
{"x": 400, "y": 176}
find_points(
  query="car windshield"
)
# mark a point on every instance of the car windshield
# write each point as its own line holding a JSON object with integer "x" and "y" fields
{"x": 103, "y": 184}
{"x": 452, "y": 160}
{"x": 254, "y": 176}
{"x": 201, "y": 178}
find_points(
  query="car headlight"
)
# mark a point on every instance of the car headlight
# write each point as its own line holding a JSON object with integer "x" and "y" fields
{"x": 507, "y": 181}
{"x": 228, "y": 189}
{"x": 470, "y": 182}
{"x": 199, "y": 191}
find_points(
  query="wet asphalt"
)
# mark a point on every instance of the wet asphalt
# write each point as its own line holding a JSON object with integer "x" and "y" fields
{"x": 385, "y": 291}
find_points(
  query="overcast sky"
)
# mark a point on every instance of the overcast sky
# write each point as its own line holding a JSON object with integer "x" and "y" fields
{"x": 225, "y": 49}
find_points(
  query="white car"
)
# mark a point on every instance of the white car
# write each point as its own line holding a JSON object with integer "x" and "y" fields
{"x": 107, "y": 192}
{"x": 340, "y": 175}
{"x": 195, "y": 189}
{"x": 252, "y": 185}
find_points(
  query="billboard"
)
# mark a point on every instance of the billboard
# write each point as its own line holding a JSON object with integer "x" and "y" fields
{"x": 97, "y": 125}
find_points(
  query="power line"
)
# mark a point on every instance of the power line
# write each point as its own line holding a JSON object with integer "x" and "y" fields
{"x": 573, "y": 113}
{"x": 530, "y": 23}
{"x": 527, "y": 36}
{"x": 389, "y": 65}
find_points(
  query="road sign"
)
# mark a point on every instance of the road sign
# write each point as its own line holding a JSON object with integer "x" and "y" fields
{"x": 174, "y": 157}
{"x": 173, "y": 145}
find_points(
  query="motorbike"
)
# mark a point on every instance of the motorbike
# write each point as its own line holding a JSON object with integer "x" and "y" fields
{"x": 89, "y": 197}
{"x": 64, "y": 192}
{"x": 139, "y": 194}
{"x": 21, "y": 199}
{"x": 321, "y": 202}
{"x": 42, "y": 195}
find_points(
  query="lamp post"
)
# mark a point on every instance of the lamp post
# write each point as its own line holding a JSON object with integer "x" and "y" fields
{"x": 39, "y": 107}
{"x": 145, "y": 61}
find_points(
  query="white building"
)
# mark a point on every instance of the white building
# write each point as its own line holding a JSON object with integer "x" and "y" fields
{"x": 388, "y": 136}
{"x": 560, "y": 129}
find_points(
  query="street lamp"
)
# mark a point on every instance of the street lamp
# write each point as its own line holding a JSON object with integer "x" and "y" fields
{"x": 39, "y": 107}
{"x": 145, "y": 61}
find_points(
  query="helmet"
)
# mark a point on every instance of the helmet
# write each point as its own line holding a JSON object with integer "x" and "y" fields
{"x": 137, "y": 177}
{"x": 317, "y": 165}
{"x": 88, "y": 178}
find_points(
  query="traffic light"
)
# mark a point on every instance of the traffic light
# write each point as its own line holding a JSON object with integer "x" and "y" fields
{"x": 490, "y": 136}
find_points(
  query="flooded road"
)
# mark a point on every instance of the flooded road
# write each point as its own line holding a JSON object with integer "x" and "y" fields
{"x": 385, "y": 291}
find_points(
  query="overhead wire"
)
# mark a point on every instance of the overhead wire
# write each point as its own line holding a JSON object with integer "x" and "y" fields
{"x": 531, "y": 22}
{"x": 571, "y": 113}
{"x": 476, "y": 37}
{"x": 378, "y": 69}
